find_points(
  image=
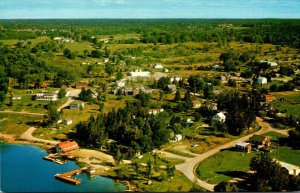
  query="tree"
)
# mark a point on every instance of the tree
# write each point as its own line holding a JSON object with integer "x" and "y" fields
{"x": 187, "y": 96}
{"x": 109, "y": 69}
{"x": 2, "y": 98}
{"x": 119, "y": 75}
{"x": 177, "y": 96}
{"x": 52, "y": 114}
{"x": 208, "y": 91}
{"x": 69, "y": 54}
{"x": 85, "y": 53}
{"x": 62, "y": 93}
{"x": 231, "y": 83}
{"x": 144, "y": 98}
{"x": 226, "y": 187}
{"x": 269, "y": 175}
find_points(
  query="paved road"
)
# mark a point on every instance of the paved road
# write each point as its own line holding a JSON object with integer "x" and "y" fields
{"x": 24, "y": 113}
{"x": 27, "y": 135}
{"x": 188, "y": 168}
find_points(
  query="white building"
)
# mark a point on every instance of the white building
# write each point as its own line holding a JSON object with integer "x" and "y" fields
{"x": 139, "y": 73}
{"x": 262, "y": 80}
{"x": 293, "y": 170}
{"x": 272, "y": 64}
{"x": 47, "y": 97}
{"x": 120, "y": 83}
{"x": 178, "y": 137}
{"x": 219, "y": 117}
{"x": 155, "y": 111}
{"x": 175, "y": 78}
{"x": 68, "y": 121}
{"x": 158, "y": 66}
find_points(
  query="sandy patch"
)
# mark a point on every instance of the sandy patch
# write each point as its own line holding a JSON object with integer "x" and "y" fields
{"x": 92, "y": 157}
{"x": 8, "y": 138}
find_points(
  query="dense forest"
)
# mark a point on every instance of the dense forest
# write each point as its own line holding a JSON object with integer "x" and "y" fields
{"x": 166, "y": 31}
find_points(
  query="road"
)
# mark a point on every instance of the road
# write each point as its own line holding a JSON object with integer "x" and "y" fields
{"x": 188, "y": 168}
{"x": 67, "y": 103}
{"x": 23, "y": 113}
{"x": 27, "y": 135}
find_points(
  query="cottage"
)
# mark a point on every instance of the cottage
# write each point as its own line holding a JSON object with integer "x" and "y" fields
{"x": 243, "y": 146}
{"x": 158, "y": 66}
{"x": 47, "y": 96}
{"x": 178, "y": 137}
{"x": 172, "y": 87}
{"x": 139, "y": 73}
{"x": 260, "y": 141}
{"x": 76, "y": 105}
{"x": 292, "y": 169}
{"x": 81, "y": 85}
{"x": 68, "y": 121}
{"x": 16, "y": 98}
{"x": 269, "y": 98}
{"x": 262, "y": 80}
{"x": 66, "y": 146}
{"x": 219, "y": 117}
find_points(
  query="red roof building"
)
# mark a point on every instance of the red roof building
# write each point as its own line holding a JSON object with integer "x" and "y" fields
{"x": 66, "y": 146}
{"x": 81, "y": 85}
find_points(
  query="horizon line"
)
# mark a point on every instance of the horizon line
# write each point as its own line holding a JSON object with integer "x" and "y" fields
{"x": 111, "y": 18}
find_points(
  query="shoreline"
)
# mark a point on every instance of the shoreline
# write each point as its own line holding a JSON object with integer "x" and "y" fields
{"x": 11, "y": 139}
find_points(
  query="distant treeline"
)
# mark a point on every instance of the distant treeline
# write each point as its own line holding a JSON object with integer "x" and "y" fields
{"x": 165, "y": 31}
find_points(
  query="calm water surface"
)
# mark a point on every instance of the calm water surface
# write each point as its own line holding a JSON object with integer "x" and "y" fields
{"x": 24, "y": 170}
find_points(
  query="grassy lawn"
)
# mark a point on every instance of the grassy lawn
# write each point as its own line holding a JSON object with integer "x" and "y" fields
{"x": 224, "y": 166}
{"x": 274, "y": 136}
{"x": 287, "y": 154}
{"x": 16, "y": 124}
{"x": 291, "y": 104}
{"x": 179, "y": 183}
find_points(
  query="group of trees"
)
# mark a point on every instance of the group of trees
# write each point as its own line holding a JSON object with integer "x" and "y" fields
{"x": 271, "y": 176}
{"x": 132, "y": 127}
{"x": 241, "y": 111}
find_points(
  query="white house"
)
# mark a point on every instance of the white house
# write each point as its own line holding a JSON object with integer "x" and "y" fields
{"x": 155, "y": 111}
{"x": 243, "y": 146}
{"x": 120, "y": 83}
{"x": 175, "y": 78}
{"x": 178, "y": 137}
{"x": 68, "y": 121}
{"x": 139, "y": 73}
{"x": 262, "y": 80}
{"x": 47, "y": 97}
{"x": 158, "y": 66}
{"x": 293, "y": 170}
{"x": 219, "y": 117}
{"x": 272, "y": 64}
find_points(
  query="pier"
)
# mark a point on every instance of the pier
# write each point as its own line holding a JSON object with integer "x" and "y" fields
{"x": 54, "y": 158}
{"x": 67, "y": 177}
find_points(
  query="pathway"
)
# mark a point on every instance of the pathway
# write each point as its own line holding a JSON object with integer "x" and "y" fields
{"x": 188, "y": 168}
{"x": 23, "y": 113}
{"x": 67, "y": 103}
{"x": 27, "y": 135}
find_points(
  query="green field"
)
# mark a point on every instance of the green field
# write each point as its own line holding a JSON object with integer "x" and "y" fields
{"x": 290, "y": 105}
{"x": 287, "y": 154}
{"x": 224, "y": 166}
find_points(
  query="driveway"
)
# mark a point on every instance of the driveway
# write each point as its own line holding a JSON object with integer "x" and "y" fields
{"x": 27, "y": 135}
{"x": 188, "y": 168}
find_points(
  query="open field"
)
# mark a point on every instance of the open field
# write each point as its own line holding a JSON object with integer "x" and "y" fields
{"x": 290, "y": 105}
{"x": 224, "y": 166}
{"x": 287, "y": 154}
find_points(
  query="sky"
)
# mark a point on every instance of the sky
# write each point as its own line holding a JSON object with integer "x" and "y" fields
{"x": 39, "y": 9}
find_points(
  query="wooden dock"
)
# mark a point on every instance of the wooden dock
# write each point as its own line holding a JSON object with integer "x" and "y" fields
{"x": 54, "y": 158}
{"x": 67, "y": 177}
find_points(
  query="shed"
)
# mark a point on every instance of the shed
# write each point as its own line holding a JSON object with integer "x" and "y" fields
{"x": 68, "y": 121}
{"x": 178, "y": 137}
{"x": 243, "y": 146}
{"x": 158, "y": 66}
{"x": 66, "y": 146}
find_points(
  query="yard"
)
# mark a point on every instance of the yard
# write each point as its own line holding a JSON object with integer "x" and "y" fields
{"x": 291, "y": 103}
{"x": 224, "y": 166}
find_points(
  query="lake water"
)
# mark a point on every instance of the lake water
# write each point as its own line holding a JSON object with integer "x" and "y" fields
{"x": 24, "y": 170}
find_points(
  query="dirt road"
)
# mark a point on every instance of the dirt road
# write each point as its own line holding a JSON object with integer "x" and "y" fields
{"x": 23, "y": 113}
{"x": 67, "y": 103}
{"x": 27, "y": 135}
{"x": 188, "y": 168}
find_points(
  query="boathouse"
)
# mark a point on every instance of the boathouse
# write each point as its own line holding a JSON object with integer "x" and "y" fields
{"x": 66, "y": 146}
